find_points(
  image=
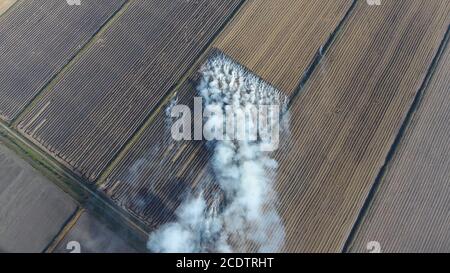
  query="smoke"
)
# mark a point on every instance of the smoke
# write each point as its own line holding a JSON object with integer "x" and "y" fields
{"x": 242, "y": 117}
{"x": 196, "y": 224}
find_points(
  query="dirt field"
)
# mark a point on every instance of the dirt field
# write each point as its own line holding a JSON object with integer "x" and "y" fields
{"x": 94, "y": 237}
{"x": 410, "y": 211}
{"x": 32, "y": 209}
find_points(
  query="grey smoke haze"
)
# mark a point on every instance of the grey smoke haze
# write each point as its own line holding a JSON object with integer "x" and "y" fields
{"x": 246, "y": 218}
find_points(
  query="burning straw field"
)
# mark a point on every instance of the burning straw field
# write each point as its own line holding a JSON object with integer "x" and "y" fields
{"x": 103, "y": 93}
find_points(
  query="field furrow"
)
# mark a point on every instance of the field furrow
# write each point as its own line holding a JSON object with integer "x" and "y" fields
{"x": 37, "y": 39}
{"x": 154, "y": 175}
{"x": 410, "y": 211}
{"x": 346, "y": 119}
{"x": 92, "y": 110}
{"x": 276, "y": 39}
{"x": 343, "y": 125}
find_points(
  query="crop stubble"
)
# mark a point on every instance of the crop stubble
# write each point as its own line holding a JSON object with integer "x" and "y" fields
{"x": 275, "y": 39}
{"x": 37, "y": 39}
{"x": 345, "y": 121}
{"x": 342, "y": 126}
{"x": 156, "y": 173}
{"x": 410, "y": 211}
{"x": 99, "y": 103}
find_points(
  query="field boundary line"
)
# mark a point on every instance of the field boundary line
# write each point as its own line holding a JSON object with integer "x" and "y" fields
{"x": 209, "y": 49}
{"x": 37, "y": 160}
{"x": 72, "y": 184}
{"x": 205, "y": 51}
{"x": 321, "y": 52}
{"x": 67, "y": 227}
{"x": 69, "y": 64}
{"x": 11, "y": 7}
{"x": 397, "y": 141}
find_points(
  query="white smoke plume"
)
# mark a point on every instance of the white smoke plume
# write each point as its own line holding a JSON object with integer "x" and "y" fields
{"x": 246, "y": 218}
